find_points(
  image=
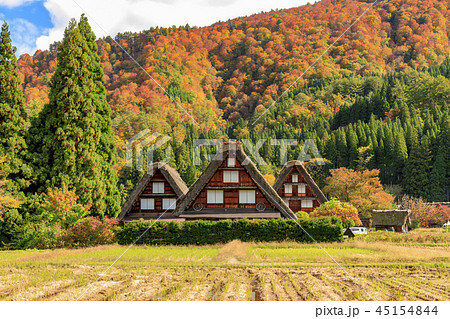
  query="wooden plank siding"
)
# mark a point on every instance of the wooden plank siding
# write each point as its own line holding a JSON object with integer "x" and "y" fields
{"x": 296, "y": 204}
{"x": 136, "y": 212}
{"x": 230, "y": 190}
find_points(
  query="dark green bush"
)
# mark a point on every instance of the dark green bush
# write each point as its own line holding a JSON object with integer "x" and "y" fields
{"x": 38, "y": 235}
{"x": 325, "y": 229}
{"x": 415, "y": 224}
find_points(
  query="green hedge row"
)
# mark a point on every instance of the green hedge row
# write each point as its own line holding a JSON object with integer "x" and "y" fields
{"x": 325, "y": 229}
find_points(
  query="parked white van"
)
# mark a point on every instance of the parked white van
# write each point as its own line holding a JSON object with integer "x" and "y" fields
{"x": 359, "y": 230}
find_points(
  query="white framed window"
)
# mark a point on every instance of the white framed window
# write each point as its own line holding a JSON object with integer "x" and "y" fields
{"x": 169, "y": 203}
{"x": 247, "y": 197}
{"x": 301, "y": 189}
{"x": 231, "y": 162}
{"x": 214, "y": 197}
{"x": 230, "y": 176}
{"x": 307, "y": 203}
{"x": 288, "y": 189}
{"x": 294, "y": 178}
{"x": 147, "y": 203}
{"x": 158, "y": 187}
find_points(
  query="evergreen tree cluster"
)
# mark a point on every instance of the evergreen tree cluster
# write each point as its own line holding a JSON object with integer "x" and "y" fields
{"x": 70, "y": 144}
{"x": 13, "y": 117}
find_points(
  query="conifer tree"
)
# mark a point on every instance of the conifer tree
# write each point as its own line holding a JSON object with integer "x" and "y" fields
{"x": 389, "y": 151}
{"x": 71, "y": 140}
{"x": 341, "y": 147}
{"x": 106, "y": 146}
{"x": 416, "y": 172}
{"x": 440, "y": 173}
{"x": 182, "y": 158}
{"x": 400, "y": 154}
{"x": 352, "y": 144}
{"x": 12, "y": 116}
{"x": 330, "y": 150}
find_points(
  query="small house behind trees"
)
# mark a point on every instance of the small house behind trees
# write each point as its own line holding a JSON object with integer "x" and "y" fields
{"x": 297, "y": 188}
{"x": 398, "y": 220}
{"x": 156, "y": 195}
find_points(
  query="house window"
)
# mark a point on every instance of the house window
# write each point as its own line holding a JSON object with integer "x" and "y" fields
{"x": 231, "y": 162}
{"x": 214, "y": 197}
{"x": 307, "y": 203}
{"x": 288, "y": 189}
{"x": 247, "y": 197}
{"x": 301, "y": 189}
{"x": 147, "y": 203}
{"x": 295, "y": 178}
{"x": 169, "y": 203}
{"x": 230, "y": 176}
{"x": 158, "y": 187}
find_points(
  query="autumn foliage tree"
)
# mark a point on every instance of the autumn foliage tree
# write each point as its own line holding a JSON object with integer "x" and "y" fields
{"x": 60, "y": 205}
{"x": 361, "y": 189}
{"x": 425, "y": 215}
{"x": 345, "y": 211}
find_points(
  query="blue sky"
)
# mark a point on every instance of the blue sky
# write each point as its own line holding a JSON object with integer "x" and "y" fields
{"x": 26, "y": 22}
{"x": 35, "y": 24}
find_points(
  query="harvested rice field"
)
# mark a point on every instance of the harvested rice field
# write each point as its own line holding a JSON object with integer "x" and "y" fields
{"x": 235, "y": 271}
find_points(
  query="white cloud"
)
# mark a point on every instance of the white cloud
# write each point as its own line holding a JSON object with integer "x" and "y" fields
{"x": 109, "y": 17}
{"x": 13, "y": 3}
{"x": 23, "y": 35}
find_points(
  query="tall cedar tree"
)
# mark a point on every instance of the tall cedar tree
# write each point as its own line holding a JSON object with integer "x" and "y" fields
{"x": 72, "y": 140}
{"x": 416, "y": 181}
{"x": 12, "y": 116}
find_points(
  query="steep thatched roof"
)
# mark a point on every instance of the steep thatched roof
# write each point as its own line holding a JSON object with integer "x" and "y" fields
{"x": 172, "y": 177}
{"x": 390, "y": 217}
{"x": 249, "y": 166}
{"x": 287, "y": 169}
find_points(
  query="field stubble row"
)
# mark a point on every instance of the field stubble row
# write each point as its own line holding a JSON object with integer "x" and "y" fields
{"x": 226, "y": 283}
{"x": 235, "y": 271}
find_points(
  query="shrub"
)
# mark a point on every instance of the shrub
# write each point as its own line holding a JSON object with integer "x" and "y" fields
{"x": 38, "y": 235}
{"x": 348, "y": 223}
{"x": 7, "y": 200}
{"x": 302, "y": 215}
{"x": 345, "y": 211}
{"x": 9, "y": 226}
{"x": 327, "y": 229}
{"x": 415, "y": 224}
{"x": 60, "y": 205}
{"x": 90, "y": 231}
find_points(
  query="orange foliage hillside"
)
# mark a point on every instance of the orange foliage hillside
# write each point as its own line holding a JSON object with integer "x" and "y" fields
{"x": 229, "y": 69}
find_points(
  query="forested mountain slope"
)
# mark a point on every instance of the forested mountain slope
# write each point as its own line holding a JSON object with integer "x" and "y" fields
{"x": 386, "y": 81}
{"x": 241, "y": 65}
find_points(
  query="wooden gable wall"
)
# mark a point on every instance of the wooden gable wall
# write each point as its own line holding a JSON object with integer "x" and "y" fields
{"x": 136, "y": 212}
{"x": 230, "y": 190}
{"x": 295, "y": 198}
